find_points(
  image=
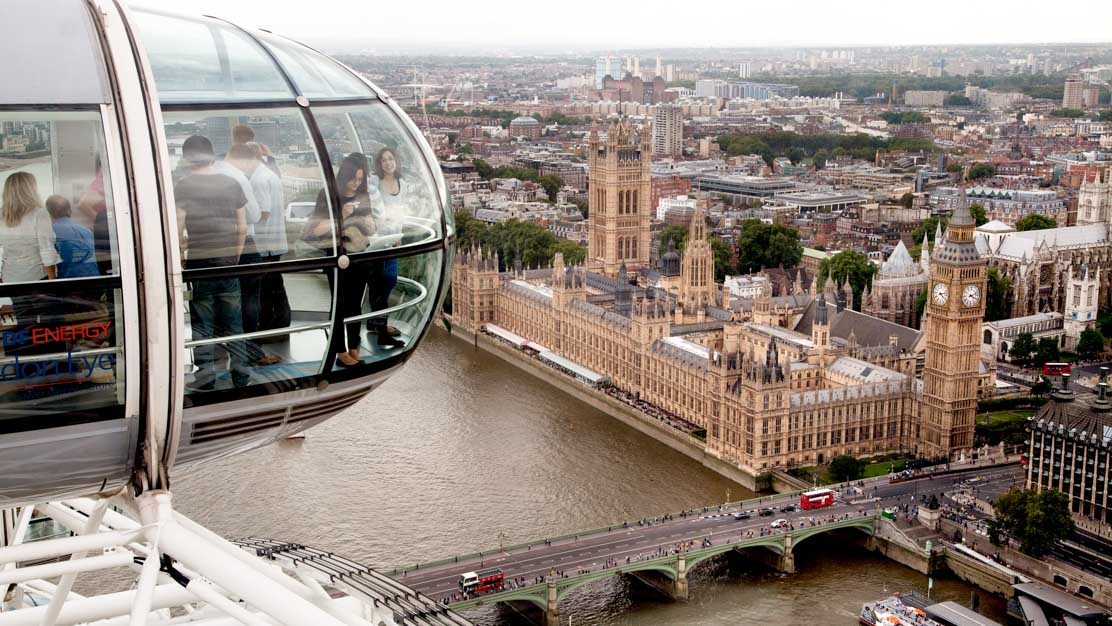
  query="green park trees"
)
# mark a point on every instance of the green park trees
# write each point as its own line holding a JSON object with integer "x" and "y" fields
{"x": 513, "y": 239}
{"x": 1038, "y": 519}
{"x": 845, "y": 467}
{"x": 981, "y": 170}
{"x": 849, "y": 265}
{"x": 996, "y": 303}
{"x": 1090, "y": 343}
{"x": 763, "y": 245}
{"x": 1034, "y": 221}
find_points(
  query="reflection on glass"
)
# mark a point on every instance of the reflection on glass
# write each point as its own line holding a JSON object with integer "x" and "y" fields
{"x": 385, "y": 304}
{"x": 289, "y": 338}
{"x": 56, "y": 213}
{"x": 269, "y": 156}
{"x": 61, "y": 352}
{"x": 315, "y": 75}
{"x": 203, "y": 60}
{"x": 403, "y": 206}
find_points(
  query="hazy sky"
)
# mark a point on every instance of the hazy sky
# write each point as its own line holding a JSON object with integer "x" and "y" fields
{"x": 578, "y": 25}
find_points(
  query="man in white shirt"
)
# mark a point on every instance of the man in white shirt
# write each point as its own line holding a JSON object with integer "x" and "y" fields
{"x": 240, "y": 163}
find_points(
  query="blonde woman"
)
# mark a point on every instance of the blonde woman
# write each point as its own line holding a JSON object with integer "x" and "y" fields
{"x": 27, "y": 251}
{"x": 27, "y": 254}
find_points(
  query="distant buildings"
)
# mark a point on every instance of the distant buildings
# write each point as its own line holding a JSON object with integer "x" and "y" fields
{"x": 745, "y": 69}
{"x": 527, "y": 127}
{"x": 1079, "y": 94}
{"x": 667, "y": 131}
{"x": 1007, "y": 205}
{"x": 924, "y": 98}
{"x": 717, "y": 88}
{"x": 607, "y": 66}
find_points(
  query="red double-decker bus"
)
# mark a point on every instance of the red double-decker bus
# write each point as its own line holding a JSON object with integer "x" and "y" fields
{"x": 816, "y": 499}
{"x": 482, "y": 580}
{"x": 1055, "y": 369}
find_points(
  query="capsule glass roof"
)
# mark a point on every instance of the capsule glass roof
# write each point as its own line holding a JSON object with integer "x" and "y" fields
{"x": 199, "y": 60}
{"x": 58, "y": 61}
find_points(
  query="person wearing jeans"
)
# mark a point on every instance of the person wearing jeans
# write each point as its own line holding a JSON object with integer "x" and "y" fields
{"x": 215, "y": 310}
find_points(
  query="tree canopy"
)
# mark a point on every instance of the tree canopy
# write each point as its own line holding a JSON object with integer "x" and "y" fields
{"x": 513, "y": 239}
{"x": 781, "y": 143}
{"x": 1091, "y": 342}
{"x": 1034, "y": 221}
{"x": 957, "y": 100}
{"x": 1022, "y": 348}
{"x": 1039, "y": 519}
{"x": 905, "y": 117}
{"x": 845, "y": 467}
{"x": 981, "y": 170}
{"x": 996, "y": 302}
{"x": 1047, "y": 350}
{"x": 676, "y": 233}
{"x": 927, "y": 227}
{"x": 852, "y": 265}
{"x": 980, "y": 218}
{"x": 763, "y": 245}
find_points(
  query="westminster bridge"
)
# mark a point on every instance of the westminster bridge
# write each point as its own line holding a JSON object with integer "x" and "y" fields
{"x": 661, "y": 552}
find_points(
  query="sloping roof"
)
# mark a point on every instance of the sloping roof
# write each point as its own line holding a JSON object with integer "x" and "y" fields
{"x": 868, "y": 330}
{"x": 863, "y": 371}
{"x": 995, "y": 226}
{"x": 900, "y": 264}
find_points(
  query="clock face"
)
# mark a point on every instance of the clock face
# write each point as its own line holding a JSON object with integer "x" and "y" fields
{"x": 941, "y": 294}
{"x": 970, "y": 295}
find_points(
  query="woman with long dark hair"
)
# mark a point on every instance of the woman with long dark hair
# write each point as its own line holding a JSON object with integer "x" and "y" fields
{"x": 351, "y": 181}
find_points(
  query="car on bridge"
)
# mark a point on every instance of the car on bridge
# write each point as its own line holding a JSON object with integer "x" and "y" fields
{"x": 743, "y": 515}
{"x": 779, "y": 523}
{"x": 765, "y": 512}
{"x": 787, "y": 508}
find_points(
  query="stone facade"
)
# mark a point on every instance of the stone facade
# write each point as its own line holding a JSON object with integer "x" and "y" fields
{"x": 619, "y": 193}
{"x": 955, "y": 312}
{"x": 775, "y": 381}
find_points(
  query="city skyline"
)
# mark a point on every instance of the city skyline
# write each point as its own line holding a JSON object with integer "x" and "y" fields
{"x": 450, "y": 28}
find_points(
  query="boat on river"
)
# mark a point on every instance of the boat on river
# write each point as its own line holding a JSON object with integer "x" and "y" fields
{"x": 897, "y": 610}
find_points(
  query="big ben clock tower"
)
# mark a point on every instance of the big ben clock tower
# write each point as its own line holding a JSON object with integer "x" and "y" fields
{"x": 955, "y": 311}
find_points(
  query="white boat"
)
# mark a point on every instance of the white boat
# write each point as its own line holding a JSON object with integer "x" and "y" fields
{"x": 894, "y": 611}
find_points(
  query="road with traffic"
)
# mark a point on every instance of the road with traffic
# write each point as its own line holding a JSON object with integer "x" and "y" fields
{"x": 651, "y": 538}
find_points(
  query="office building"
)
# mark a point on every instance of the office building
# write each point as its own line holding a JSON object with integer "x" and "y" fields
{"x": 607, "y": 66}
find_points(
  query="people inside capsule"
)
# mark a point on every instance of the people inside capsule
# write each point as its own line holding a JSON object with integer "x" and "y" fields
{"x": 246, "y": 161}
{"x": 355, "y": 202}
{"x": 75, "y": 244}
{"x": 392, "y": 197}
{"x": 212, "y": 218}
{"x": 270, "y": 232}
{"x": 27, "y": 254}
{"x": 93, "y": 209}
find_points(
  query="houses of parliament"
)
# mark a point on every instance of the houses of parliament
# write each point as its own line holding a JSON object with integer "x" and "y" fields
{"x": 776, "y": 381}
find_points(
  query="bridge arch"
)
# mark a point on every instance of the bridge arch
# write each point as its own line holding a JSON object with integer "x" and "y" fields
{"x": 697, "y": 557}
{"x": 564, "y": 588}
{"x": 864, "y": 524}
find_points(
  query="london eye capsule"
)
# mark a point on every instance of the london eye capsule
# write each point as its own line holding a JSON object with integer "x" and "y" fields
{"x": 211, "y": 238}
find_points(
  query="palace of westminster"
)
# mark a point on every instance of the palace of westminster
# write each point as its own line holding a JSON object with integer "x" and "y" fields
{"x": 775, "y": 380}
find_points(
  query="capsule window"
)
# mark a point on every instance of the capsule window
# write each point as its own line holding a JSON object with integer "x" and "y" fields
{"x": 385, "y": 304}
{"x": 60, "y": 302}
{"x": 205, "y": 60}
{"x": 269, "y": 156}
{"x": 256, "y": 328}
{"x": 386, "y": 192}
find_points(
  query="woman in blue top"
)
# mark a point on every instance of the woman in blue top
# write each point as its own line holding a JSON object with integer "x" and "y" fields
{"x": 73, "y": 241}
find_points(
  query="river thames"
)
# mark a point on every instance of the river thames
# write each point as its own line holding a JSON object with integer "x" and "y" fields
{"x": 460, "y": 451}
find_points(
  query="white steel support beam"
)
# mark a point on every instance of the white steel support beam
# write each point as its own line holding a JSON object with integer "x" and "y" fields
{"x": 92, "y": 524}
{"x": 231, "y": 574}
